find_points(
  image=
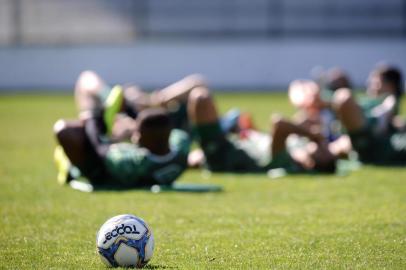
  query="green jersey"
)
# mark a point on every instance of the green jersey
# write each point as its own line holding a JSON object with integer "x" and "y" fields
{"x": 257, "y": 145}
{"x": 367, "y": 104}
{"x": 377, "y": 145}
{"x": 131, "y": 165}
{"x": 234, "y": 154}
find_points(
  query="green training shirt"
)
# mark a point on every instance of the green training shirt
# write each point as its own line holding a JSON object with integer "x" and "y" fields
{"x": 132, "y": 165}
{"x": 257, "y": 145}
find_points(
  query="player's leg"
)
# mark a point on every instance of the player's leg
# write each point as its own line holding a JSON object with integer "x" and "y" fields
{"x": 341, "y": 147}
{"x": 358, "y": 126}
{"x": 283, "y": 128}
{"x": 220, "y": 153}
{"x": 89, "y": 92}
{"x": 279, "y": 134}
{"x": 135, "y": 100}
{"x": 348, "y": 111}
{"x": 94, "y": 96}
{"x": 202, "y": 114}
{"x": 174, "y": 98}
{"x": 66, "y": 171}
{"x": 178, "y": 91}
{"x": 314, "y": 155}
{"x": 72, "y": 137}
{"x": 201, "y": 107}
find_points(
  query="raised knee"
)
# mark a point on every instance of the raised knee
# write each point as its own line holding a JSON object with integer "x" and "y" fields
{"x": 196, "y": 80}
{"x": 59, "y": 126}
{"x": 59, "y": 129}
{"x": 87, "y": 74}
{"x": 341, "y": 96}
{"x": 200, "y": 95}
{"x": 277, "y": 120}
{"x": 66, "y": 131}
{"x": 88, "y": 81}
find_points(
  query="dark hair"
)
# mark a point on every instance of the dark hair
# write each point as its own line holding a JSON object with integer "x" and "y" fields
{"x": 154, "y": 127}
{"x": 153, "y": 118}
{"x": 393, "y": 76}
{"x": 336, "y": 78}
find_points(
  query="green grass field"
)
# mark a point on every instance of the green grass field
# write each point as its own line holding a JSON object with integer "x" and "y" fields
{"x": 300, "y": 222}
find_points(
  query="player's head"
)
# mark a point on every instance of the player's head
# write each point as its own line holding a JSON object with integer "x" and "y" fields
{"x": 385, "y": 79}
{"x": 336, "y": 78}
{"x": 305, "y": 94}
{"x": 153, "y": 130}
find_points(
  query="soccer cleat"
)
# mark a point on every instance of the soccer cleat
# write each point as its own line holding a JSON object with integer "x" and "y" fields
{"x": 229, "y": 121}
{"x": 112, "y": 106}
{"x": 63, "y": 165}
{"x": 236, "y": 121}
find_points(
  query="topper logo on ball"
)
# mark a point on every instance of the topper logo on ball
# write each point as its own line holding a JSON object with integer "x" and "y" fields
{"x": 120, "y": 230}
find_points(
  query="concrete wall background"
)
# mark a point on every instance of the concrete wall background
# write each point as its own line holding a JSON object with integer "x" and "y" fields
{"x": 245, "y": 65}
{"x": 236, "y": 44}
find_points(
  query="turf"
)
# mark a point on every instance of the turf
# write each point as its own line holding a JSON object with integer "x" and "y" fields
{"x": 300, "y": 222}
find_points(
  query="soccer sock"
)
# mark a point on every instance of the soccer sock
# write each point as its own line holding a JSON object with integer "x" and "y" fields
{"x": 112, "y": 106}
{"x": 66, "y": 170}
{"x": 204, "y": 133}
{"x": 62, "y": 164}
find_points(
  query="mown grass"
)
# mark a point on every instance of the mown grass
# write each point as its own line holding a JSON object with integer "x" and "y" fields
{"x": 297, "y": 222}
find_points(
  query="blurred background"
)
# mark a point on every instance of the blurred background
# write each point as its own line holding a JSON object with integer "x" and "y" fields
{"x": 236, "y": 44}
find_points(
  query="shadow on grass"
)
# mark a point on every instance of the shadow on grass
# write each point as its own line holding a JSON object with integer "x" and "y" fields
{"x": 158, "y": 266}
{"x": 176, "y": 187}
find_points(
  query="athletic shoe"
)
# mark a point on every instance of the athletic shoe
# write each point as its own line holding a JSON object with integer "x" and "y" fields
{"x": 229, "y": 121}
{"x": 112, "y": 106}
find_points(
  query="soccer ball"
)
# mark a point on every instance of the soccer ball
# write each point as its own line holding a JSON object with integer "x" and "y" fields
{"x": 126, "y": 241}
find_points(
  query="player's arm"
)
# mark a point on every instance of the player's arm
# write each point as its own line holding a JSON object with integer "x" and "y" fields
{"x": 304, "y": 121}
{"x": 283, "y": 128}
{"x": 385, "y": 113}
{"x": 341, "y": 147}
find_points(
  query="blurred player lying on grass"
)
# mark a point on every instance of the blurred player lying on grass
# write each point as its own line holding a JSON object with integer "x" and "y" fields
{"x": 313, "y": 102}
{"x": 251, "y": 151}
{"x": 92, "y": 95}
{"x": 157, "y": 153}
{"x": 372, "y": 122}
{"x": 108, "y": 116}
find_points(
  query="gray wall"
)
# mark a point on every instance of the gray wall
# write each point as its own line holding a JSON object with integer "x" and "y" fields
{"x": 236, "y": 44}
{"x": 260, "y": 64}
{"x": 62, "y": 22}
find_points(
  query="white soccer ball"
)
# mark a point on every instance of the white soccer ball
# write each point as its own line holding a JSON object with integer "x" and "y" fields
{"x": 125, "y": 240}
